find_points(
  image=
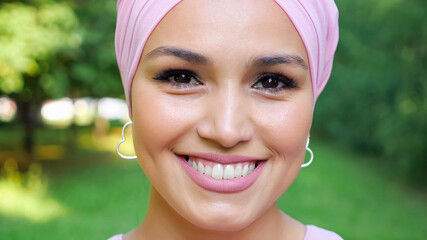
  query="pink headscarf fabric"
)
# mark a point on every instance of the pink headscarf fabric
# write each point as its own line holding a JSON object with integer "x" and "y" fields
{"x": 315, "y": 20}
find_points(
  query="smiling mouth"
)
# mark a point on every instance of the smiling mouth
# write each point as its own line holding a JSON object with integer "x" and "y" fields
{"x": 221, "y": 171}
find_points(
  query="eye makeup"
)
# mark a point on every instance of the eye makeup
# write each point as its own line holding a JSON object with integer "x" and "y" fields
{"x": 274, "y": 82}
{"x": 271, "y": 82}
{"x": 178, "y": 78}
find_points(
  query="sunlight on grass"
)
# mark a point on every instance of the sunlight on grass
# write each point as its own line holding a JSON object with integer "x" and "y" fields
{"x": 20, "y": 202}
{"x": 25, "y": 195}
{"x": 108, "y": 142}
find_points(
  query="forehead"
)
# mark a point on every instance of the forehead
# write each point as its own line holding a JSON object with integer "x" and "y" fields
{"x": 251, "y": 26}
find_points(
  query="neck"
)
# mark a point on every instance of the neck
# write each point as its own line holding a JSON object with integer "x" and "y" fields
{"x": 163, "y": 222}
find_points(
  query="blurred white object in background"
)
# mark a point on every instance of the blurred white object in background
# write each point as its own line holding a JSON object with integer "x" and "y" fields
{"x": 85, "y": 111}
{"x": 58, "y": 113}
{"x": 7, "y": 109}
{"x": 113, "y": 109}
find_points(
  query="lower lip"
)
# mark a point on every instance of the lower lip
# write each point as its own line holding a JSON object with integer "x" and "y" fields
{"x": 221, "y": 185}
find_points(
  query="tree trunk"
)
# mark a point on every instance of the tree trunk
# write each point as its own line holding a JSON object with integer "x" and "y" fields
{"x": 71, "y": 141}
{"x": 28, "y": 117}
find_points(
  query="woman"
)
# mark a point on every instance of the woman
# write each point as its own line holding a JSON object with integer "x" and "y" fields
{"x": 221, "y": 94}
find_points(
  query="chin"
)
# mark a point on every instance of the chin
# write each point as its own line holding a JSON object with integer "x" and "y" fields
{"x": 223, "y": 224}
{"x": 223, "y": 220}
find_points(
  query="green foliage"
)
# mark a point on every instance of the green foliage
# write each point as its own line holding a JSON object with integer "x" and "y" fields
{"x": 377, "y": 96}
{"x": 64, "y": 48}
{"x": 95, "y": 72}
{"x": 30, "y": 36}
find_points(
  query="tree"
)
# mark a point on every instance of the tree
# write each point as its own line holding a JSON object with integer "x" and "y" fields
{"x": 35, "y": 37}
{"x": 94, "y": 71}
{"x": 376, "y": 100}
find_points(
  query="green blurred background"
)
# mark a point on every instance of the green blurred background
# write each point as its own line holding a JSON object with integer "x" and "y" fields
{"x": 62, "y": 108}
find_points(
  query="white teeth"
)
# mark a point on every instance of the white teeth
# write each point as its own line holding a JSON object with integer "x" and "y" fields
{"x": 228, "y": 172}
{"x": 238, "y": 170}
{"x": 251, "y": 168}
{"x": 200, "y": 168}
{"x": 245, "y": 171}
{"x": 217, "y": 171}
{"x": 208, "y": 170}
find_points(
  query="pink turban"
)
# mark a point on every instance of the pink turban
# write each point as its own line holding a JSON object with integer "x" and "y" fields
{"x": 315, "y": 20}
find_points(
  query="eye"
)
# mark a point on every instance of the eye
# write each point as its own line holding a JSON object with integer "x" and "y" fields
{"x": 180, "y": 78}
{"x": 274, "y": 82}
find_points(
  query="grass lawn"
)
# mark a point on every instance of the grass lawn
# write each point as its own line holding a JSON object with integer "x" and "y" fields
{"x": 94, "y": 195}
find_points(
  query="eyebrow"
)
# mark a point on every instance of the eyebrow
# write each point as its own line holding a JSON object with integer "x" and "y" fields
{"x": 279, "y": 59}
{"x": 187, "y": 55}
{"x": 199, "y": 59}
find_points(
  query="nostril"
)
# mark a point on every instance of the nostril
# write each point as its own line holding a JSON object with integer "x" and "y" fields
{"x": 225, "y": 127}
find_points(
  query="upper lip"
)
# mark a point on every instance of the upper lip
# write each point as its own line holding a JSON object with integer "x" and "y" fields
{"x": 222, "y": 158}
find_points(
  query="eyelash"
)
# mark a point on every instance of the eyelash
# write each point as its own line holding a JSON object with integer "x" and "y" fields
{"x": 287, "y": 83}
{"x": 172, "y": 76}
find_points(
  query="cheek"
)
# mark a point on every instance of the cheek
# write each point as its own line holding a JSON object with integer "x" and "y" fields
{"x": 285, "y": 127}
{"x": 159, "y": 119}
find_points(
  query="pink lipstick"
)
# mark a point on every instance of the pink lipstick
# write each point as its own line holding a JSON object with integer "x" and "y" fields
{"x": 222, "y": 173}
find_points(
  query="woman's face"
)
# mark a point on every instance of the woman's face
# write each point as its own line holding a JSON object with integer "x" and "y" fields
{"x": 225, "y": 85}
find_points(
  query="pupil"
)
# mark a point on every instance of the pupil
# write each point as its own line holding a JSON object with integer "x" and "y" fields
{"x": 182, "y": 78}
{"x": 269, "y": 83}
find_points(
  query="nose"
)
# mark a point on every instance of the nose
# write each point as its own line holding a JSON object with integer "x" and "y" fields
{"x": 227, "y": 120}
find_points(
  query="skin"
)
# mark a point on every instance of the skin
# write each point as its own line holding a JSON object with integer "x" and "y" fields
{"x": 227, "y": 112}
